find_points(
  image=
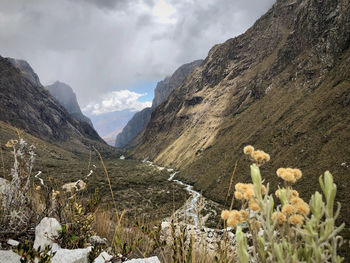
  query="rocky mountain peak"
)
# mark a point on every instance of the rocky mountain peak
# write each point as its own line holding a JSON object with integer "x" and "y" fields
{"x": 27, "y": 105}
{"x": 67, "y": 98}
{"x": 164, "y": 88}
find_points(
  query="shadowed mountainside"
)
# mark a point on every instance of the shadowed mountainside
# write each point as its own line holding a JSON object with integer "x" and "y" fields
{"x": 27, "y": 105}
{"x": 65, "y": 95}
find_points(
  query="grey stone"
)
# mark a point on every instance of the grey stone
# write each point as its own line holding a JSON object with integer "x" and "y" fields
{"x": 46, "y": 232}
{"x": 12, "y": 242}
{"x": 71, "y": 255}
{"x": 96, "y": 240}
{"x": 144, "y": 260}
{"x": 103, "y": 257}
{"x": 8, "y": 256}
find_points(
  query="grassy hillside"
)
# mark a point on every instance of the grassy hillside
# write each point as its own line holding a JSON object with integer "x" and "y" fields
{"x": 142, "y": 190}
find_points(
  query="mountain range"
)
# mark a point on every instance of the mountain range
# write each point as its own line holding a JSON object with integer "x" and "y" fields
{"x": 283, "y": 86}
{"x": 27, "y": 105}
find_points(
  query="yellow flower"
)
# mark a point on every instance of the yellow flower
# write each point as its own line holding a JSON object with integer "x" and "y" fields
{"x": 288, "y": 209}
{"x": 280, "y": 171}
{"x": 232, "y": 222}
{"x": 248, "y": 194}
{"x": 288, "y": 177}
{"x": 253, "y": 206}
{"x": 235, "y": 214}
{"x": 248, "y": 149}
{"x": 263, "y": 189}
{"x": 298, "y": 174}
{"x": 302, "y": 208}
{"x": 281, "y": 218}
{"x": 238, "y": 195}
{"x": 244, "y": 215}
{"x": 295, "y": 193}
{"x": 37, "y": 188}
{"x": 225, "y": 214}
{"x": 296, "y": 200}
{"x": 296, "y": 220}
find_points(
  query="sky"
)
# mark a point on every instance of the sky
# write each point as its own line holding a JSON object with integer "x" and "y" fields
{"x": 113, "y": 52}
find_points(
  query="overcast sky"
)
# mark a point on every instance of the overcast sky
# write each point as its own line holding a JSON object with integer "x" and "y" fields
{"x": 112, "y": 53}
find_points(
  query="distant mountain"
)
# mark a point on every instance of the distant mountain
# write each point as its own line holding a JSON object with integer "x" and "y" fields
{"x": 108, "y": 125}
{"x": 164, "y": 88}
{"x": 283, "y": 86}
{"x": 27, "y": 105}
{"x": 67, "y": 98}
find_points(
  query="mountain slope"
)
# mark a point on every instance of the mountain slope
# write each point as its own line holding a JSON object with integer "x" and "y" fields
{"x": 67, "y": 98}
{"x": 164, "y": 88}
{"x": 27, "y": 105}
{"x": 283, "y": 86}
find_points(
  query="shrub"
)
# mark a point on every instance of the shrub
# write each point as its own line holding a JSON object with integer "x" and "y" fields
{"x": 16, "y": 211}
{"x": 293, "y": 231}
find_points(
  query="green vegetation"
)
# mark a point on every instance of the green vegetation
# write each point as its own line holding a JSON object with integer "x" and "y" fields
{"x": 287, "y": 232}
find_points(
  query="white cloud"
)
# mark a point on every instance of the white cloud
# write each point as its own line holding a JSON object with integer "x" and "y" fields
{"x": 117, "y": 101}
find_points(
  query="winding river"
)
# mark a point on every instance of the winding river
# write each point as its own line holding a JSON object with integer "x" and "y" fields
{"x": 191, "y": 210}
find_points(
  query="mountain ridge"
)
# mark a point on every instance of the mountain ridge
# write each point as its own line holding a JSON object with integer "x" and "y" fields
{"x": 250, "y": 90}
{"x": 27, "y": 105}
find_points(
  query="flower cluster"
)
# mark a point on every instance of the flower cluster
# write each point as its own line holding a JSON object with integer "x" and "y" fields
{"x": 234, "y": 217}
{"x": 294, "y": 208}
{"x": 289, "y": 175}
{"x": 257, "y": 156}
{"x": 286, "y": 232}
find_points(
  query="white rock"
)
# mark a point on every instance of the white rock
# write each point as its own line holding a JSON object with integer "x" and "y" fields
{"x": 8, "y": 256}
{"x": 12, "y": 242}
{"x": 71, "y": 255}
{"x": 103, "y": 257}
{"x": 96, "y": 240}
{"x": 46, "y": 232}
{"x": 143, "y": 260}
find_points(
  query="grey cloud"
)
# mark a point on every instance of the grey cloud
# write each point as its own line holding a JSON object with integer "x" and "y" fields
{"x": 97, "y": 46}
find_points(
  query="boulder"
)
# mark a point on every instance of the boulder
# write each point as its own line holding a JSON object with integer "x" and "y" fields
{"x": 46, "y": 232}
{"x": 72, "y": 255}
{"x": 12, "y": 242}
{"x": 96, "y": 240}
{"x": 8, "y": 256}
{"x": 144, "y": 260}
{"x": 103, "y": 257}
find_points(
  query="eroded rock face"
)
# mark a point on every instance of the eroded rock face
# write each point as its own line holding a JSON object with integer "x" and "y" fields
{"x": 46, "y": 232}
